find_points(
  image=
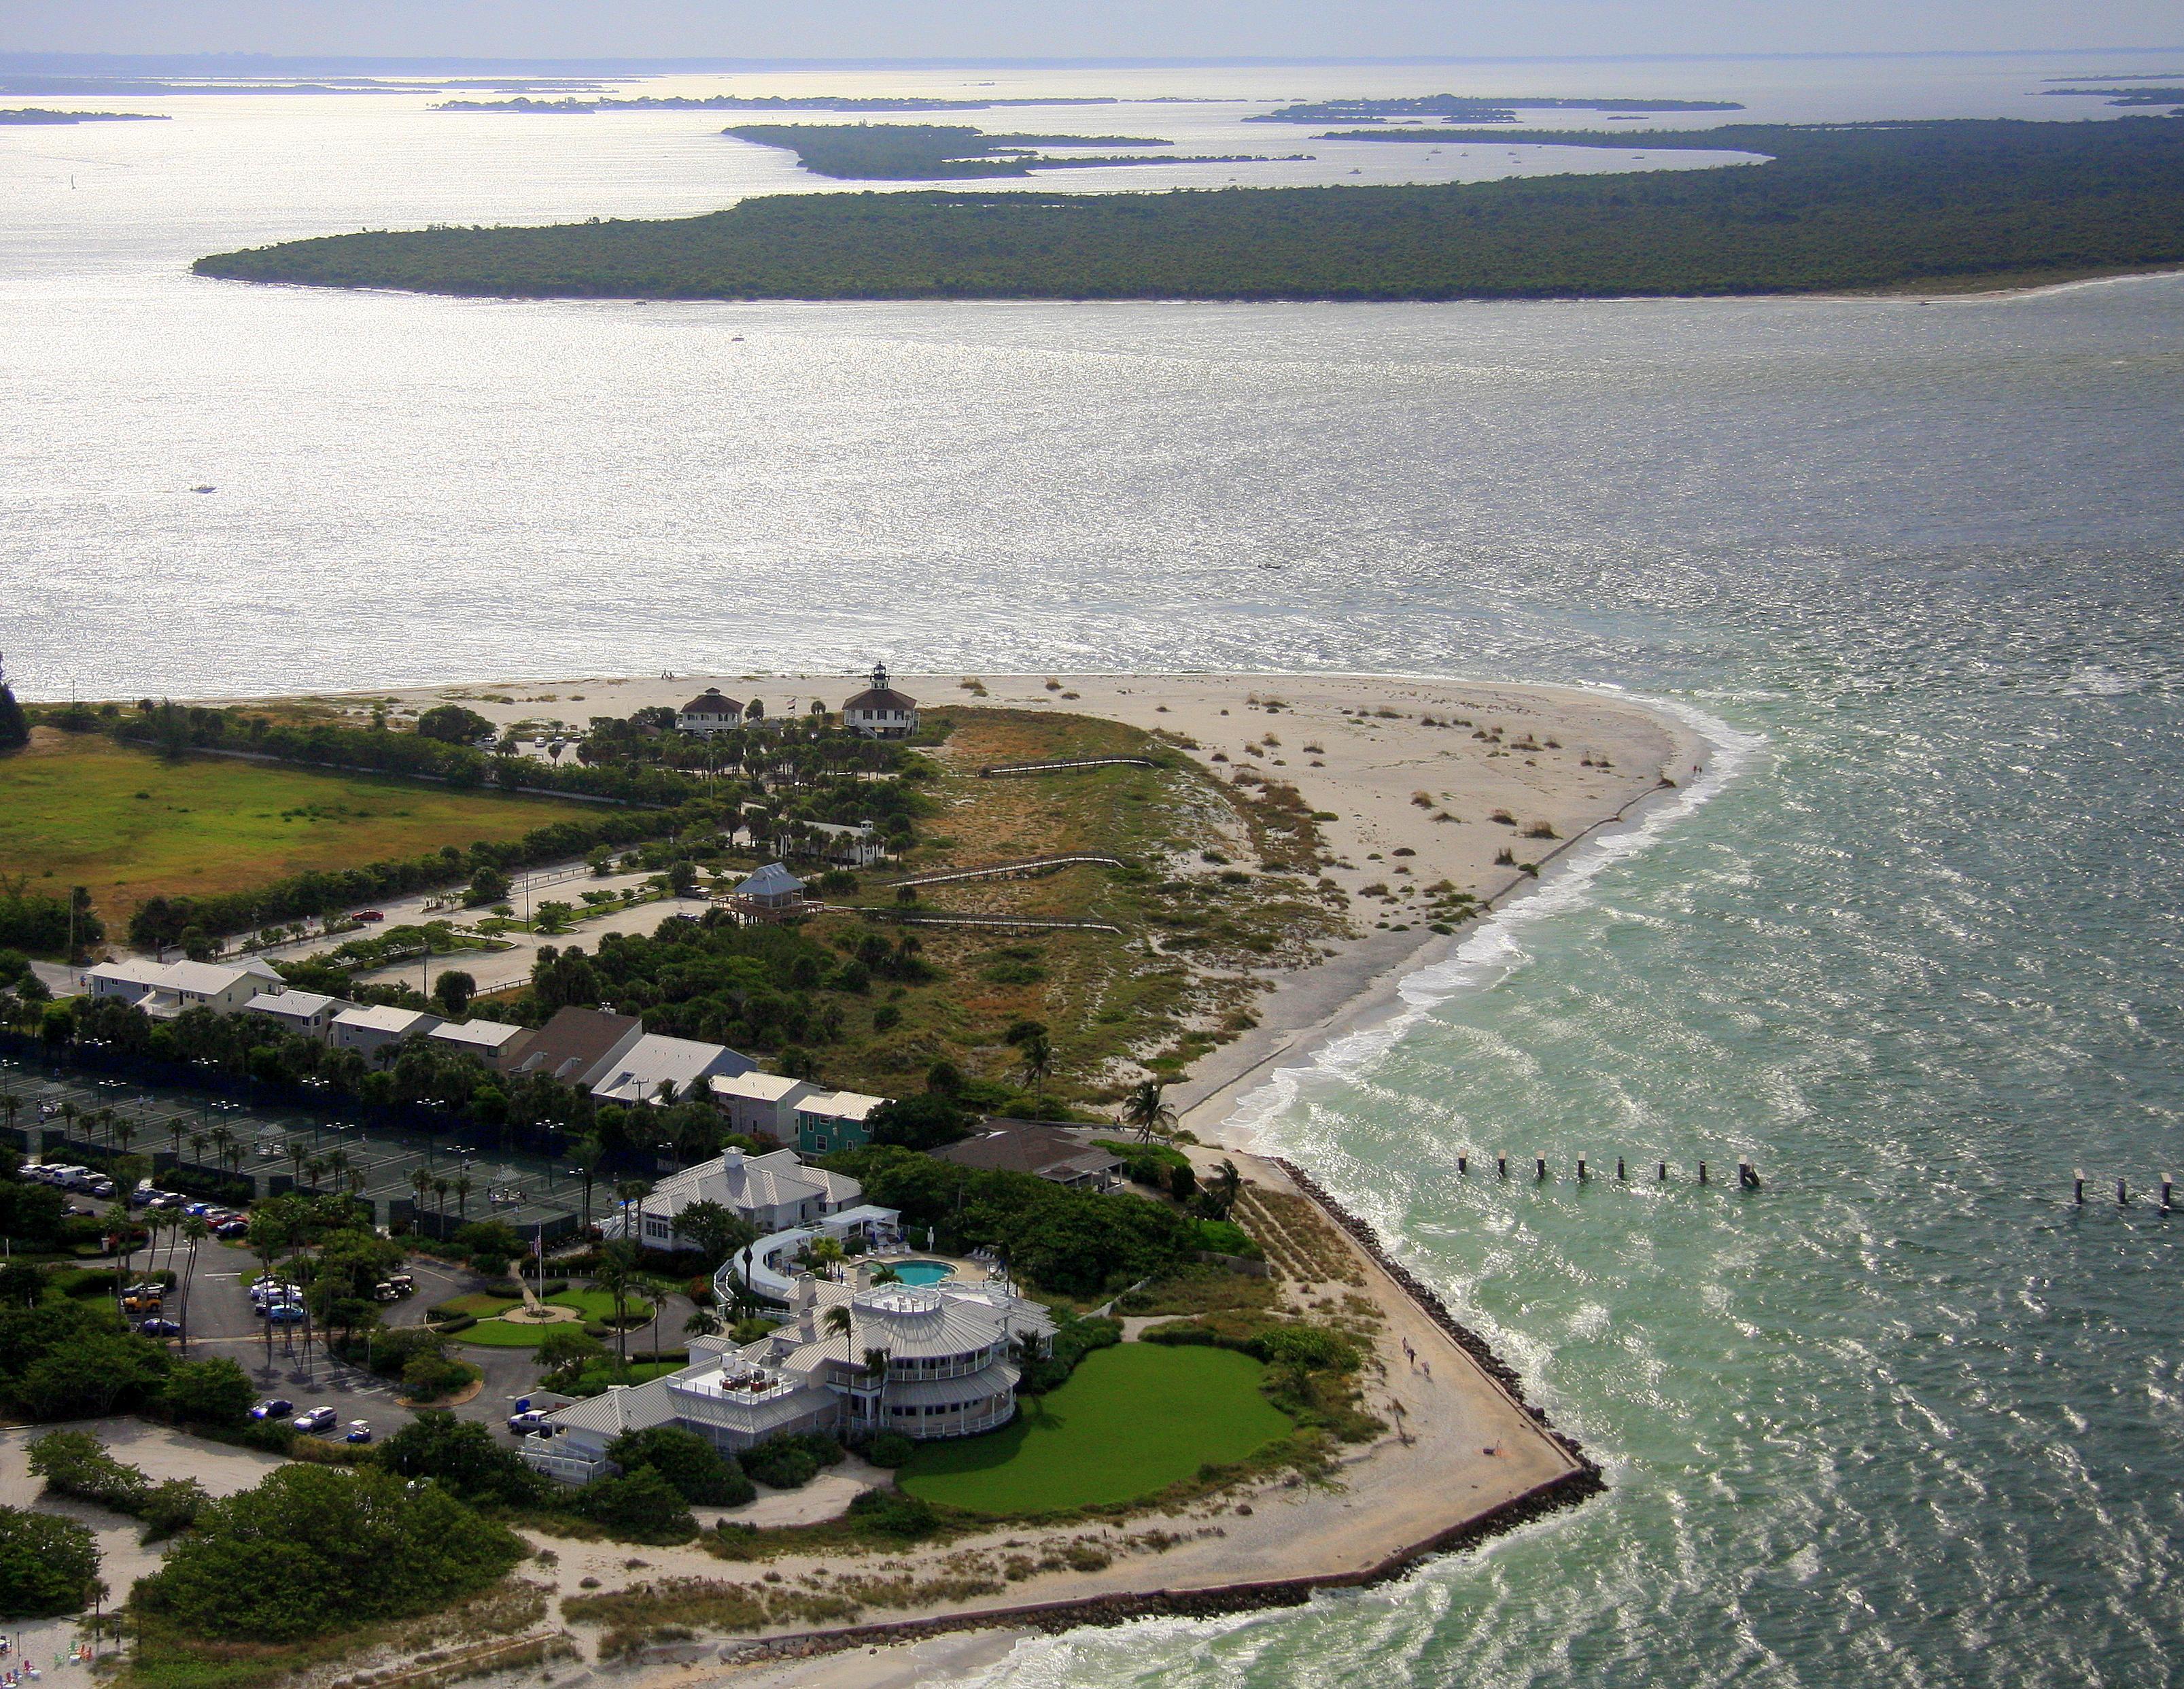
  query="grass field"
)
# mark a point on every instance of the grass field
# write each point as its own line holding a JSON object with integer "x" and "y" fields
{"x": 83, "y": 810}
{"x": 496, "y": 1333}
{"x": 1132, "y": 1420}
{"x": 1104, "y": 998}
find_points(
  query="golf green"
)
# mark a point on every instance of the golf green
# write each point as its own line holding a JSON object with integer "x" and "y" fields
{"x": 1132, "y": 1420}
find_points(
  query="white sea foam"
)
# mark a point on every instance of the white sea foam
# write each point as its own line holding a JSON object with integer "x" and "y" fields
{"x": 1495, "y": 948}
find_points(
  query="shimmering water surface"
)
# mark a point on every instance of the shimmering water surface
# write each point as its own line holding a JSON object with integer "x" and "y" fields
{"x": 1903, "y": 1416}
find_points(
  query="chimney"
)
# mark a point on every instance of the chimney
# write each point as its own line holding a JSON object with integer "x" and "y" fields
{"x": 732, "y": 1161}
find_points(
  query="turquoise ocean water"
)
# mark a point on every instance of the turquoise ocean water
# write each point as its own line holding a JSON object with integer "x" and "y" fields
{"x": 1902, "y": 1417}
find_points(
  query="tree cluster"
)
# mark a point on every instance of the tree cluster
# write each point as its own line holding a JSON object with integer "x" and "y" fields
{"x": 1077, "y": 1242}
{"x": 1854, "y": 205}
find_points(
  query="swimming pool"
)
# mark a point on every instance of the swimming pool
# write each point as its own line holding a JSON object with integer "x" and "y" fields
{"x": 921, "y": 1272}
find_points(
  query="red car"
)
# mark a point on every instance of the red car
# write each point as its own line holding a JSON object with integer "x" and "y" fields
{"x": 371, "y": 915}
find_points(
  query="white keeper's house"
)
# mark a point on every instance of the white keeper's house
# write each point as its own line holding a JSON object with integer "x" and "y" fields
{"x": 709, "y": 713}
{"x": 880, "y": 711}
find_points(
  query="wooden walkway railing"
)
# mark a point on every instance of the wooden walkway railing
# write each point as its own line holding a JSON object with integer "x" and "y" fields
{"x": 1027, "y": 923}
{"x": 1003, "y": 770}
{"x": 1006, "y": 870}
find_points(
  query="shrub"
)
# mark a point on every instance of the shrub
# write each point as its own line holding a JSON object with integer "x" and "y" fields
{"x": 698, "y": 1472}
{"x": 640, "y": 1507}
{"x": 312, "y": 1549}
{"x": 49, "y": 1566}
{"x": 76, "y": 1463}
{"x": 895, "y": 1512}
{"x": 429, "y": 1377}
{"x": 1226, "y": 1237}
{"x": 463, "y": 1458}
{"x": 889, "y": 1449}
{"x": 789, "y": 1462}
{"x": 214, "y": 1392}
{"x": 1072, "y": 1341}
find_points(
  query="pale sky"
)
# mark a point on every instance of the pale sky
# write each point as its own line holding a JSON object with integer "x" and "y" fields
{"x": 1051, "y": 29}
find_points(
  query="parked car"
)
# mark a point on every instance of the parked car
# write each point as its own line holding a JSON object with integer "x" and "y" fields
{"x": 371, "y": 915}
{"x": 523, "y": 1424}
{"x": 318, "y": 1419}
{"x": 360, "y": 1431}
{"x": 234, "y": 1228}
{"x": 160, "y": 1328}
{"x": 285, "y": 1313}
{"x": 273, "y": 1407}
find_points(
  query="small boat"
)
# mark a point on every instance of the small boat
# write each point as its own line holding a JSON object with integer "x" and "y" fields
{"x": 204, "y": 489}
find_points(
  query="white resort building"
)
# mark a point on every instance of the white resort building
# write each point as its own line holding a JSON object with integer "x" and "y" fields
{"x": 775, "y": 1192}
{"x": 165, "y": 990}
{"x": 926, "y": 1361}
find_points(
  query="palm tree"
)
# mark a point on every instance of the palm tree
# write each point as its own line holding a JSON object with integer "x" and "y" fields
{"x": 840, "y": 1323}
{"x": 1146, "y": 1109}
{"x": 626, "y": 1192}
{"x": 826, "y": 1253}
{"x": 440, "y": 1188}
{"x": 702, "y": 1323}
{"x": 298, "y": 1153}
{"x": 194, "y": 1229}
{"x": 462, "y": 1195}
{"x": 14, "y": 1105}
{"x": 588, "y": 1154}
{"x": 1227, "y": 1185}
{"x": 198, "y": 1142}
{"x": 1038, "y": 1062}
{"x": 617, "y": 1275}
{"x": 124, "y": 1247}
{"x": 420, "y": 1181}
{"x": 315, "y": 1170}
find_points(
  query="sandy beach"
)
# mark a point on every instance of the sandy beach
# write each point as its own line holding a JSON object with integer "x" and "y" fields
{"x": 1412, "y": 770}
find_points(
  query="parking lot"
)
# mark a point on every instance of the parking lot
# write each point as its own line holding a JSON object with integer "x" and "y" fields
{"x": 274, "y": 1147}
{"x": 159, "y": 1121}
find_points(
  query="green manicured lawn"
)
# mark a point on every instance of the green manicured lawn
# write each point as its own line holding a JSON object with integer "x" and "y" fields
{"x": 498, "y": 1334}
{"x": 1131, "y": 1420}
{"x": 130, "y": 825}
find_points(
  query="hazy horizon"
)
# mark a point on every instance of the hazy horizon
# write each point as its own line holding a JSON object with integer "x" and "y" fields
{"x": 987, "y": 31}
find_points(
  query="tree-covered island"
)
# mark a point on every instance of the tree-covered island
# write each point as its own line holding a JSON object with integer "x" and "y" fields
{"x": 1952, "y": 202}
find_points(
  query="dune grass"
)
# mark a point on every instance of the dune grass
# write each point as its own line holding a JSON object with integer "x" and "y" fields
{"x": 81, "y": 810}
{"x": 1131, "y": 1420}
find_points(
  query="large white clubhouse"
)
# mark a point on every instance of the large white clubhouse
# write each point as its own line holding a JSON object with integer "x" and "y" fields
{"x": 926, "y": 1361}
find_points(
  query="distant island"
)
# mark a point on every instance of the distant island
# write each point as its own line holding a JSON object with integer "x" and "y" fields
{"x": 28, "y": 115}
{"x": 866, "y": 102}
{"x": 1467, "y": 109}
{"x": 1957, "y": 202}
{"x": 925, "y": 152}
{"x": 2129, "y": 97}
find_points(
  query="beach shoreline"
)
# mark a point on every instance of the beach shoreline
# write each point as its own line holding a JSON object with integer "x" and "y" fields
{"x": 1399, "y": 764}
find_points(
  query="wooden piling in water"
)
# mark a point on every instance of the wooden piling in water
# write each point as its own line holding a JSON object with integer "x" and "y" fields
{"x": 1501, "y": 1166}
{"x": 1619, "y": 1172}
{"x": 1661, "y": 1176}
{"x": 2123, "y": 1197}
{"x": 1462, "y": 1166}
{"x": 2078, "y": 1186}
{"x": 2166, "y": 1183}
{"x": 1703, "y": 1178}
{"x": 1538, "y": 1167}
{"x": 1580, "y": 1169}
